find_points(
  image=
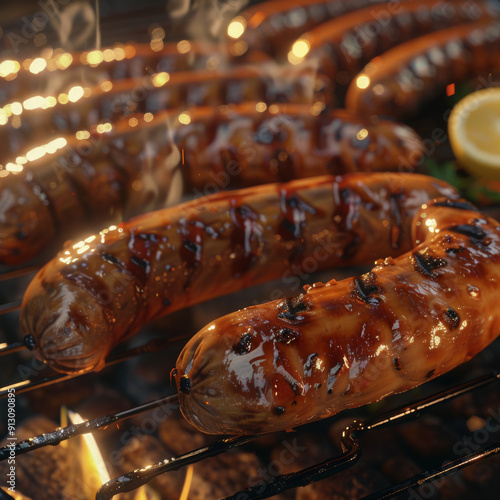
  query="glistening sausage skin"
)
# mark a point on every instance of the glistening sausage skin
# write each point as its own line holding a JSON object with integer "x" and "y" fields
{"x": 342, "y": 345}
{"x": 104, "y": 288}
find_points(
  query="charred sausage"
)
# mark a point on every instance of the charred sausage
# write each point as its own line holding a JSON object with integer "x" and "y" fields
{"x": 401, "y": 80}
{"x": 342, "y": 345}
{"x": 102, "y": 289}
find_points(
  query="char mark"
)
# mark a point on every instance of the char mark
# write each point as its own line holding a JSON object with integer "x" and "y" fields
{"x": 427, "y": 264}
{"x": 191, "y": 246}
{"x": 289, "y": 226}
{"x": 430, "y": 373}
{"x": 460, "y": 205}
{"x": 185, "y": 385}
{"x": 452, "y": 318}
{"x": 290, "y": 308}
{"x": 286, "y": 336}
{"x": 397, "y": 363}
{"x": 140, "y": 262}
{"x": 454, "y": 250}
{"x": 365, "y": 289}
{"x": 110, "y": 258}
{"x": 244, "y": 345}
{"x": 476, "y": 234}
{"x": 279, "y": 410}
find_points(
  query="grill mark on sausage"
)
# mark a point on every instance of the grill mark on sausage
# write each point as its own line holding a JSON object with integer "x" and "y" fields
{"x": 111, "y": 259}
{"x": 454, "y": 250}
{"x": 476, "y": 234}
{"x": 287, "y": 336}
{"x": 244, "y": 345}
{"x": 365, "y": 289}
{"x": 452, "y": 318}
{"x": 288, "y": 225}
{"x": 291, "y": 307}
{"x": 191, "y": 246}
{"x": 460, "y": 205}
{"x": 279, "y": 410}
{"x": 426, "y": 264}
{"x": 140, "y": 262}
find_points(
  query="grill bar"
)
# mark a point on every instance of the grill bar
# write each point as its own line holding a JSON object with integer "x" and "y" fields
{"x": 17, "y": 273}
{"x": 351, "y": 454}
{"x": 10, "y": 307}
{"x": 6, "y": 349}
{"x": 139, "y": 477}
{"x": 433, "y": 474}
{"x": 350, "y": 446}
{"x": 29, "y": 385}
{"x": 54, "y": 438}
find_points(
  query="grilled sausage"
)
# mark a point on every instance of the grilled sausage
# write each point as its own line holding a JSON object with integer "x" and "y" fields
{"x": 271, "y": 27}
{"x": 342, "y": 345}
{"x": 22, "y": 80}
{"x": 156, "y": 93}
{"x": 400, "y": 81}
{"x": 103, "y": 289}
{"x": 88, "y": 183}
{"x": 343, "y": 46}
{"x": 109, "y": 177}
{"x": 240, "y": 146}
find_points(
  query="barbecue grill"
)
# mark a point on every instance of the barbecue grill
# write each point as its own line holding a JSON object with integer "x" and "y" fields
{"x": 450, "y": 425}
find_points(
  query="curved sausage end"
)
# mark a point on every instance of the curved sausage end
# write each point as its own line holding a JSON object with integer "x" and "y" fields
{"x": 69, "y": 334}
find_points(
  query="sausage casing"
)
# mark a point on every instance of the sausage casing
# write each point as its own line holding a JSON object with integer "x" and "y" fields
{"x": 89, "y": 183}
{"x": 271, "y": 27}
{"x": 159, "y": 92}
{"x": 239, "y": 146}
{"x": 344, "y": 45}
{"x": 342, "y": 345}
{"x": 103, "y": 289}
{"x": 111, "y": 177}
{"x": 402, "y": 79}
{"x": 63, "y": 70}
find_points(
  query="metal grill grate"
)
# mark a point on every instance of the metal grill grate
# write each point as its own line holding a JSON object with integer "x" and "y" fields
{"x": 350, "y": 439}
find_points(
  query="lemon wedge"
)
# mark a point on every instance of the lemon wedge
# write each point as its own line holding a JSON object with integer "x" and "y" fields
{"x": 474, "y": 130}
